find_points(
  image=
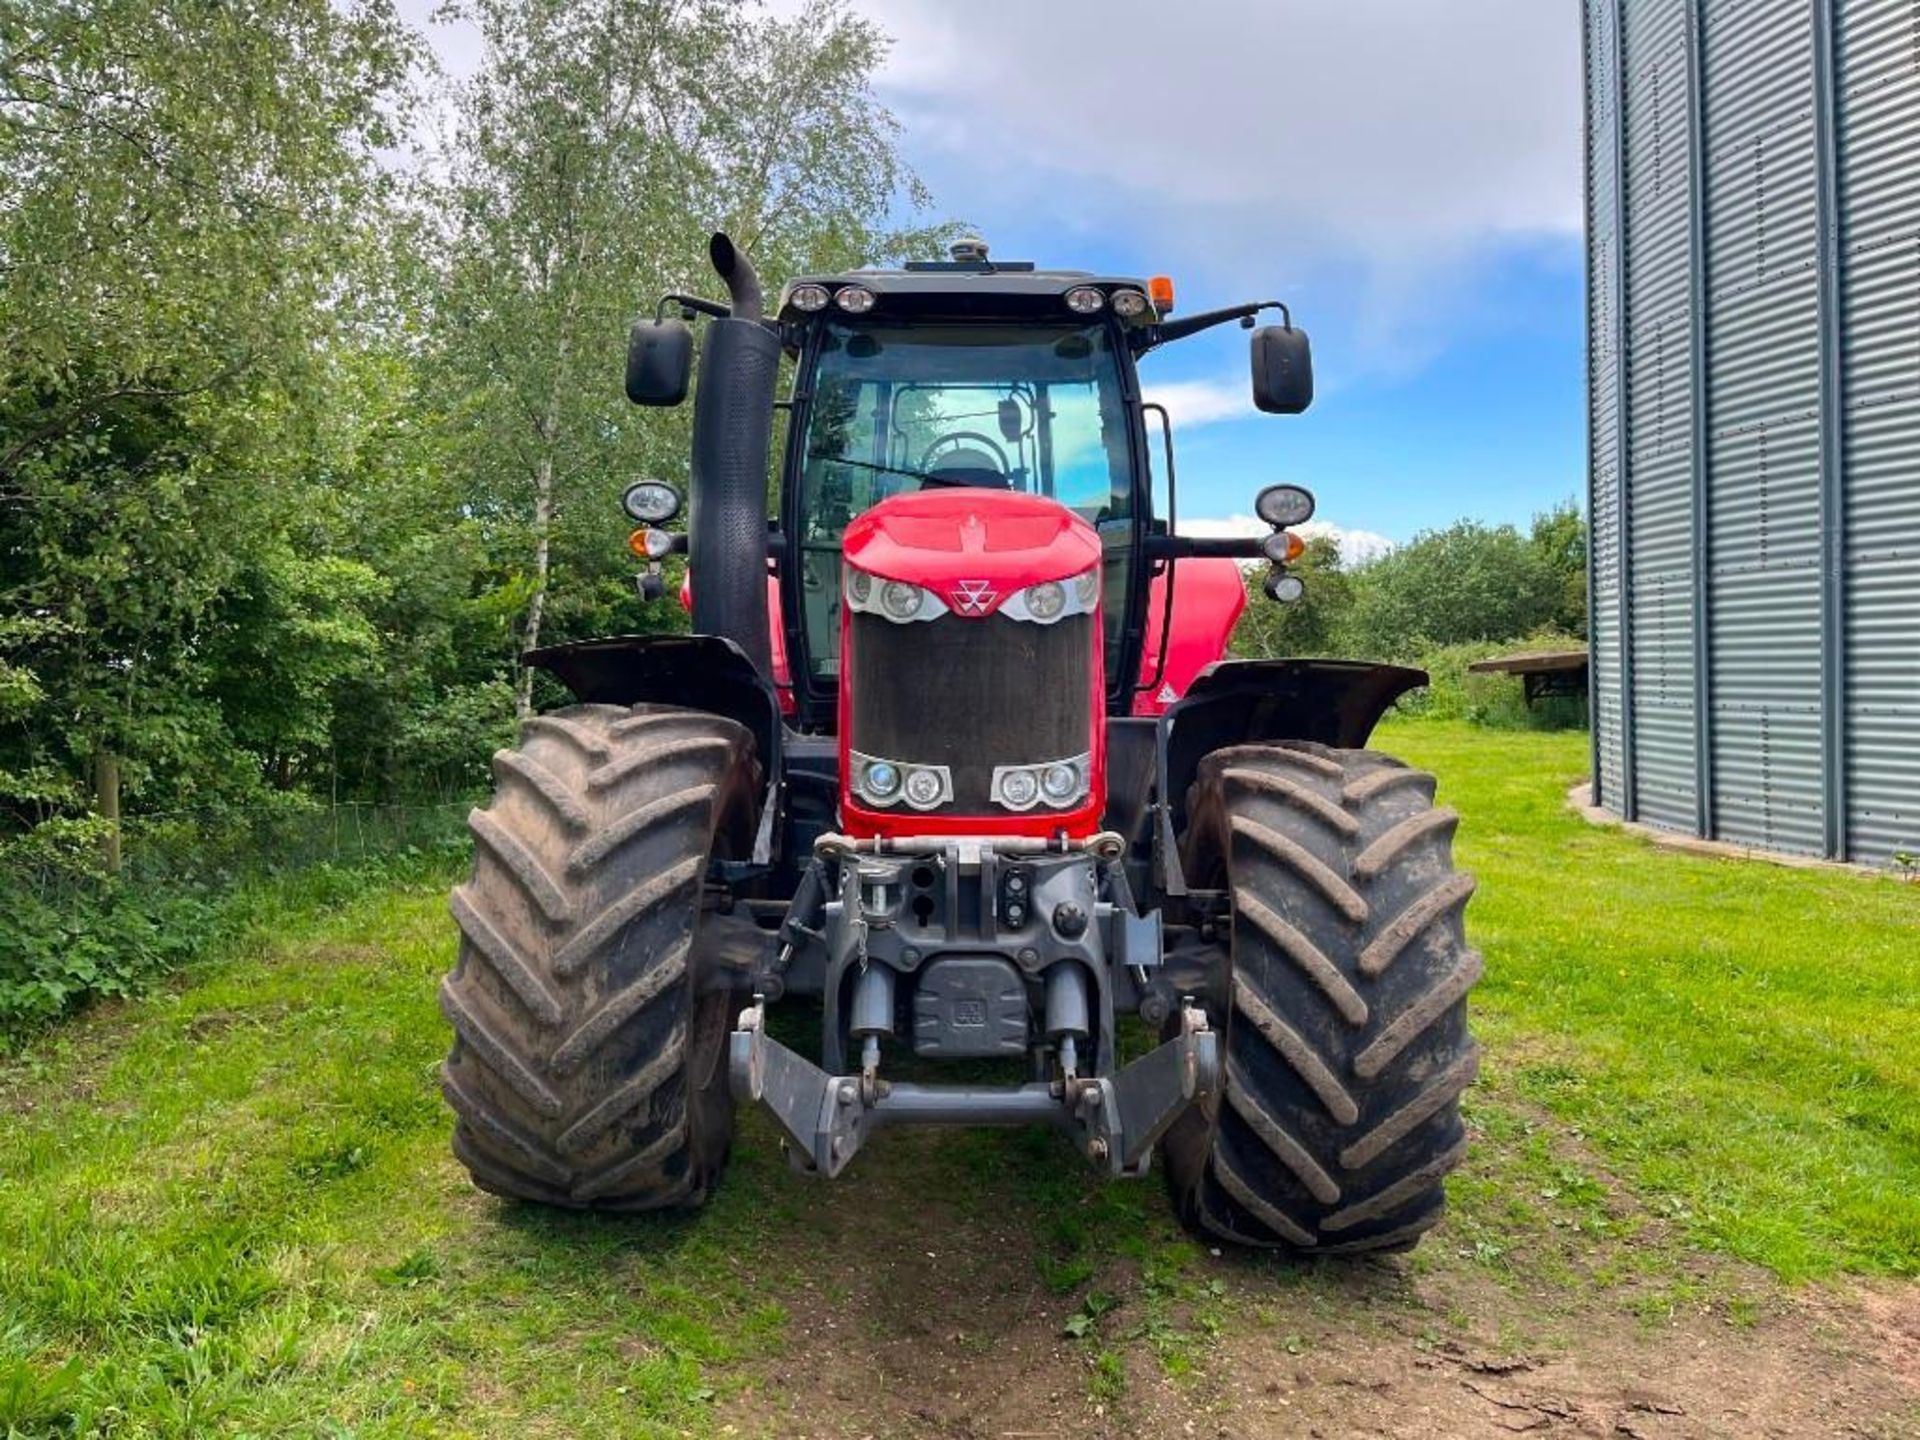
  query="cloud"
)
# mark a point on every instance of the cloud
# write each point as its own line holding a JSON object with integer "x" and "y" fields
{"x": 1377, "y": 147}
{"x": 1357, "y": 547}
{"x": 1389, "y": 122}
{"x": 1193, "y": 403}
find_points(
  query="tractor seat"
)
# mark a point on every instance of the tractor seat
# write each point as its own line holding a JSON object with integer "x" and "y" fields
{"x": 973, "y": 468}
{"x": 979, "y": 477}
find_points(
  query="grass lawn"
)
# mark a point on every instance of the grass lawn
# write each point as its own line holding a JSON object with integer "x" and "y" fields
{"x": 1740, "y": 1041}
{"x": 228, "y": 1209}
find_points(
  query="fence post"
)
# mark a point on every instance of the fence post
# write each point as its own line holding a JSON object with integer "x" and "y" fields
{"x": 106, "y": 804}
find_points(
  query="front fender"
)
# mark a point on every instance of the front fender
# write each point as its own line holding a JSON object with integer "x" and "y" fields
{"x": 700, "y": 672}
{"x": 1239, "y": 702}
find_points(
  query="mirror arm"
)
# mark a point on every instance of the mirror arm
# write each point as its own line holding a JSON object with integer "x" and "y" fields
{"x": 1190, "y": 547}
{"x": 690, "y": 305}
{"x": 1157, "y": 335}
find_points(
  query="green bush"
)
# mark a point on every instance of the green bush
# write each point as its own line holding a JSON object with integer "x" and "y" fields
{"x": 71, "y": 933}
{"x": 1495, "y": 701}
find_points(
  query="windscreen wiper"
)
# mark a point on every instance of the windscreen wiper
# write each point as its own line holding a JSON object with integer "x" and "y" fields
{"x": 876, "y": 467}
{"x": 925, "y": 477}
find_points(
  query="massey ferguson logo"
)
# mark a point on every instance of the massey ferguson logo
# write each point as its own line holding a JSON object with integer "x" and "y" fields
{"x": 974, "y": 597}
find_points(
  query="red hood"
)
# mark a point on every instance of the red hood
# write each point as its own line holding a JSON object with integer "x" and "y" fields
{"x": 941, "y": 539}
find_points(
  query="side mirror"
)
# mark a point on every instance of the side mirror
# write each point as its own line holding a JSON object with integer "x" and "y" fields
{"x": 1282, "y": 370}
{"x": 659, "y": 361}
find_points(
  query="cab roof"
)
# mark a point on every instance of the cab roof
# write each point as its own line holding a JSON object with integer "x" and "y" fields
{"x": 1013, "y": 289}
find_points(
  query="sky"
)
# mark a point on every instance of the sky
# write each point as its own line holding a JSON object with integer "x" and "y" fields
{"x": 1404, "y": 174}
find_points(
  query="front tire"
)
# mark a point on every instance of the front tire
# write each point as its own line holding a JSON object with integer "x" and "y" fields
{"x": 588, "y": 1065}
{"x": 1345, "y": 1032}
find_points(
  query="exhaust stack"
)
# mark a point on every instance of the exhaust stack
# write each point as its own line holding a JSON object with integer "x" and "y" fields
{"x": 741, "y": 279}
{"x": 732, "y": 418}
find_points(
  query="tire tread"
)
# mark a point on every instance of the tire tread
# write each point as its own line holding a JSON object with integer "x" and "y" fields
{"x": 1345, "y": 1037}
{"x": 572, "y": 1003}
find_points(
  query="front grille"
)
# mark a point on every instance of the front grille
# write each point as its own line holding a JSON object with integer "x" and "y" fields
{"x": 971, "y": 694}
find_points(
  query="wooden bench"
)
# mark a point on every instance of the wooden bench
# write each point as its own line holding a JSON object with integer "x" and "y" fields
{"x": 1544, "y": 673}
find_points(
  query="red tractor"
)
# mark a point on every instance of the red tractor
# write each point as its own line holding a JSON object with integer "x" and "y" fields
{"x": 931, "y": 759}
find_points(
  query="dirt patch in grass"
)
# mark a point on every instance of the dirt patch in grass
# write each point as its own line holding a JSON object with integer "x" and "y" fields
{"x": 1805, "y": 1369}
{"x": 1893, "y": 1319}
{"x": 917, "y": 1310}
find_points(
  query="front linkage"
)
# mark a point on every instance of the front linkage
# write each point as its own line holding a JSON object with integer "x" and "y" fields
{"x": 990, "y": 936}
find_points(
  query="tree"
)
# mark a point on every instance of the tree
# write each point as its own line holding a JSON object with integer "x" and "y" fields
{"x": 1314, "y": 625}
{"x": 182, "y": 190}
{"x": 598, "y": 146}
{"x": 1560, "y": 538}
{"x": 1467, "y": 582}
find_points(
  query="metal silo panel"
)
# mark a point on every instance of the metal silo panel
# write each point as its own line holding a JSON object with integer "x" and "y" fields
{"x": 1770, "y": 776}
{"x": 1763, "y": 488}
{"x": 1603, "y": 370}
{"x": 1879, "y": 170}
{"x": 1659, "y": 294}
{"x": 1883, "y": 708}
{"x": 1879, "y": 121}
{"x": 1883, "y": 323}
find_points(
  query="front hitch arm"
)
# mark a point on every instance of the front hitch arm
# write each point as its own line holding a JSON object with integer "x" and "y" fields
{"x": 1114, "y": 1120}
{"x": 1140, "y": 1102}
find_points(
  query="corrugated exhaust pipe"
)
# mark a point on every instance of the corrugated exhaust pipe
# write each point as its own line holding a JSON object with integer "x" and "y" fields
{"x": 732, "y": 418}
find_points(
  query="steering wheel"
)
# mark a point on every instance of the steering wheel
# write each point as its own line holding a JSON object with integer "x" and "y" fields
{"x": 985, "y": 445}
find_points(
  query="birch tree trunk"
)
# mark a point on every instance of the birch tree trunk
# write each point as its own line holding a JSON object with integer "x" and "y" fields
{"x": 549, "y": 432}
{"x": 542, "y": 551}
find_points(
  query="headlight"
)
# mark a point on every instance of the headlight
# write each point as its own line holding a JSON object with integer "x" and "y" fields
{"x": 1057, "y": 784}
{"x": 651, "y": 502}
{"x": 1061, "y": 782}
{"x": 1051, "y": 600}
{"x": 894, "y": 600}
{"x": 882, "y": 778}
{"x": 809, "y": 297}
{"x": 1285, "y": 589}
{"x": 928, "y": 786}
{"x": 886, "y": 783}
{"x": 1046, "y": 601}
{"x": 1085, "y": 300}
{"x": 1019, "y": 789}
{"x": 1129, "y": 303}
{"x": 900, "y": 600}
{"x": 854, "y": 299}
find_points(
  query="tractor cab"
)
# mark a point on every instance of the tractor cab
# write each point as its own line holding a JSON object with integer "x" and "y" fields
{"x": 971, "y": 411}
{"x": 974, "y": 378}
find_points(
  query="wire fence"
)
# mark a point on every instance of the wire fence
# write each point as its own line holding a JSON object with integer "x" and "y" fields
{"x": 215, "y": 849}
{"x": 73, "y": 928}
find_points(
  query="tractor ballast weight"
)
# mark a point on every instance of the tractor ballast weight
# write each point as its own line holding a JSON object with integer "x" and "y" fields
{"x": 923, "y": 761}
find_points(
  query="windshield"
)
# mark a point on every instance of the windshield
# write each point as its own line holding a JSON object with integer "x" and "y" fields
{"x": 1037, "y": 409}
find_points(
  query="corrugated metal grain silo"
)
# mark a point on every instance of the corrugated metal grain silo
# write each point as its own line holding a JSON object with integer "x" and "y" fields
{"x": 1753, "y": 221}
